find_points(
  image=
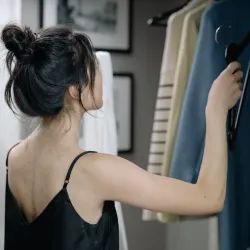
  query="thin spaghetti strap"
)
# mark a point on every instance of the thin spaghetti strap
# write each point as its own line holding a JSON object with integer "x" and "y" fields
{"x": 66, "y": 182}
{"x": 7, "y": 158}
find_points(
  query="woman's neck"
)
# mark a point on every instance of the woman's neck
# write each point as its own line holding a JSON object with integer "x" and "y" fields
{"x": 63, "y": 130}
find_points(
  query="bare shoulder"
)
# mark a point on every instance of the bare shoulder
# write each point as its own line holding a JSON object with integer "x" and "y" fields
{"x": 115, "y": 176}
{"x": 102, "y": 164}
{"x": 14, "y": 152}
{"x": 108, "y": 170}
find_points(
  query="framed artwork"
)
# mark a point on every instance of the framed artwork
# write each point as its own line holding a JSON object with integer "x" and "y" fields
{"x": 123, "y": 103}
{"x": 106, "y": 22}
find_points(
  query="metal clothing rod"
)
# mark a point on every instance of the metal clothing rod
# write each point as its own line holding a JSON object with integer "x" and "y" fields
{"x": 157, "y": 21}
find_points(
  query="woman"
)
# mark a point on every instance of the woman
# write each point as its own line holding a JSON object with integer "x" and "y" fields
{"x": 59, "y": 196}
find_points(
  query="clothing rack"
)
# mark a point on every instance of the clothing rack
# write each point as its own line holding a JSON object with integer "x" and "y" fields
{"x": 160, "y": 20}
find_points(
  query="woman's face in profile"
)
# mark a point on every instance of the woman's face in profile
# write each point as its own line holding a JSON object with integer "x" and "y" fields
{"x": 98, "y": 90}
{"x": 93, "y": 100}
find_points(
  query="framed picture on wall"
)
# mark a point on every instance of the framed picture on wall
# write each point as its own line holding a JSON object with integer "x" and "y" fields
{"x": 123, "y": 103}
{"x": 106, "y": 22}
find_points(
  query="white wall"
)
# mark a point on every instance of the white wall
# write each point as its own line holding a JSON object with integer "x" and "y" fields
{"x": 10, "y": 10}
{"x": 30, "y": 11}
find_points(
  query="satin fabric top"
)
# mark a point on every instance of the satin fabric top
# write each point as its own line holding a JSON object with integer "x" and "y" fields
{"x": 59, "y": 227}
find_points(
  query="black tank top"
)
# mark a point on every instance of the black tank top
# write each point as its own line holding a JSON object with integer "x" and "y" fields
{"x": 59, "y": 227}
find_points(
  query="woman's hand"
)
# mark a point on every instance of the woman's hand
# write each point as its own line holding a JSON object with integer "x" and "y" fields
{"x": 226, "y": 89}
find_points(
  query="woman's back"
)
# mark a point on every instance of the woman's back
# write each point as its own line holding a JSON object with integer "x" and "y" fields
{"x": 52, "y": 205}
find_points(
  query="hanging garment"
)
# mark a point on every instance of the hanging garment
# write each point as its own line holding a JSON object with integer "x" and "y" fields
{"x": 99, "y": 129}
{"x": 189, "y": 145}
{"x": 9, "y": 11}
{"x": 185, "y": 58}
{"x": 165, "y": 89}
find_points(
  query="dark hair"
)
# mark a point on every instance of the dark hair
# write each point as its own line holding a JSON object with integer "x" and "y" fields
{"x": 45, "y": 66}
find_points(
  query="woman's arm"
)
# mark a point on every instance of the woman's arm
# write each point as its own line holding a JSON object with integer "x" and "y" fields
{"x": 123, "y": 181}
{"x": 120, "y": 180}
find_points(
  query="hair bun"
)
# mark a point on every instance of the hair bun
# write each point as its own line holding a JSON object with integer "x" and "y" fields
{"x": 19, "y": 41}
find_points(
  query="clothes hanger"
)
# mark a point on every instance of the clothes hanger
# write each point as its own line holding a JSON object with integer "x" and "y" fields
{"x": 160, "y": 20}
{"x": 232, "y": 53}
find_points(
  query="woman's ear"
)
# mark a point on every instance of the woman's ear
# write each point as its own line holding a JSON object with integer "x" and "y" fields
{"x": 74, "y": 92}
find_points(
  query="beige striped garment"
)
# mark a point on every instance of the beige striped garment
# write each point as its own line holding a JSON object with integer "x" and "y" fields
{"x": 163, "y": 102}
{"x": 188, "y": 42}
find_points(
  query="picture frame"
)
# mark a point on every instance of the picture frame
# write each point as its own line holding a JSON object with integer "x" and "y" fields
{"x": 124, "y": 107}
{"x": 107, "y": 23}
